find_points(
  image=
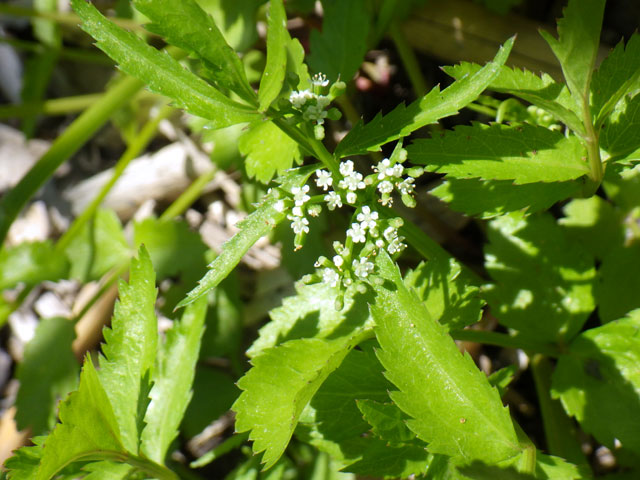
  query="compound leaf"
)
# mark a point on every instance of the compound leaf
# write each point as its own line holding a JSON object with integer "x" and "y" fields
{"x": 252, "y": 228}
{"x": 598, "y": 381}
{"x": 185, "y": 24}
{"x": 339, "y": 49}
{"x": 544, "y": 282}
{"x": 542, "y": 91}
{"x": 577, "y": 44}
{"x": 160, "y": 71}
{"x": 281, "y": 382}
{"x": 172, "y": 380}
{"x": 523, "y": 153}
{"x": 88, "y": 428}
{"x": 429, "y": 109}
{"x": 130, "y": 349}
{"x": 451, "y": 404}
{"x": 492, "y": 198}
{"x": 274, "y": 72}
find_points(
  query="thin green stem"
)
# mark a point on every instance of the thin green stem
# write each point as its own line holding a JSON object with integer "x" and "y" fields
{"x": 65, "y": 145}
{"x": 190, "y": 195}
{"x": 409, "y": 60}
{"x": 596, "y": 172}
{"x": 69, "y": 19}
{"x": 507, "y": 341}
{"x": 65, "y": 53}
{"x": 55, "y": 106}
{"x": 488, "y": 111}
{"x": 559, "y": 429}
{"x": 134, "y": 150}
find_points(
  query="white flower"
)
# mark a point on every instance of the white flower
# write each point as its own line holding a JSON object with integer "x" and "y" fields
{"x": 333, "y": 200}
{"x": 299, "y": 225}
{"x": 362, "y": 268}
{"x": 357, "y": 233}
{"x": 396, "y": 171}
{"x": 315, "y": 113}
{"x": 338, "y": 260}
{"x": 385, "y": 187}
{"x": 300, "y": 196}
{"x": 367, "y": 218}
{"x": 406, "y": 187}
{"x": 299, "y": 98}
{"x": 346, "y": 168}
{"x": 297, "y": 211}
{"x": 324, "y": 180}
{"x": 379, "y": 243}
{"x": 314, "y": 210}
{"x": 331, "y": 277}
{"x": 279, "y": 206}
{"x": 351, "y": 197}
{"x": 320, "y": 80}
{"x": 403, "y": 155}
{"x": 381, "y": 168}
{"x": 352, "y": 182}
{"x": 389, "y": 234}
{"x": 396, "y": 245}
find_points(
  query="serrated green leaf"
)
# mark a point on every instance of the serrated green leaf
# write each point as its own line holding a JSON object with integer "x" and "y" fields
{"x": 619, "y": 284}
{"x": 280, "y": 384}
{"x": 387, "y": 421}
{"x": 492, "y": 198}
{"x": 31, "y": 263}
{"x": 160, "y": 71}
{"x": 277, "y": 36}
{"x": 388, "y": 461}
{"x": 107, "y": 471}
{"x": 236, "y": 20}
{"x": 429, "y": 109}
{"x": 167, "y": 241}
{"x": 577, "y": 44}
{"x": 185, "y": 24}
{"x": 594, "y": 224}
{"x": 621, "y": 133}
{"x": 130, "y": 349}
{"x": 544, "y": 283}
{"x": 99, "y": 246}
{"x": 523, "y": 153}
{"x": 312, "y": 313}
{"x": 448, "y": 292}
{"x": 24, "y": 463}
{"x": 268, "y": 150}
{"x": 42, "y": 382}
{"x": 598, "y": 382}
{"x": 451, "y": 404}
{"x": 88, "y": 428}
{"x": 503, "y": 377}
{"x": 172, "y": 382}
{"x": 542, "y": 91}
{"x": 547, "y": 468}
{"x": 617, "y": 75}
{"x": 339, "y": 49}
{"x": 252, "y": 228}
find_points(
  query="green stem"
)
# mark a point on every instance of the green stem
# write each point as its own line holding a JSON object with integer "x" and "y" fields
{"x": 56, "y": 106}
{"x": 65, "y": 145}
{"x": 506, "y": 341}
{"x": 559, "y": 429}
{"x": 409, "y": 60}
{"x": 190, "y": 195}
{"x": 135, "y": 148}
{"x": 596, "y": 172}
{"x": 488, "y": 111}
{"x": 69, "y": 19}
{"x": 66, "y": 53}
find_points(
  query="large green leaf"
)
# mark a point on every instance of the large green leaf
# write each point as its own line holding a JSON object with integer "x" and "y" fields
{"x": 277, "y": 36}
{"x": 542, "y": 91}
{"x": 448, "y": 292}
{"x": 184, "y": 24}
{"x": 31, "y": 263}
{"x": 577, "y": 44}
{"x": 451, "y": 404}
{"x": 160, "y": 71}
{"x": 619, "y": 284}
{"x": 618, "y": 74}
{"x": 252, "y": 228}
{"x": 621, "y": 133}
{"x": 130, "y": 349}
{"x": 544, "y": 283}
{"x": 172, "y": 382}
{"x": 387, "y": 421}
{"x": 88, "y": 428}
{"x": 281, "y": 382}
{"x": 43, "y": 382}
{"x": 312, "y": 313}
{"x": 339, "y": 49}
{"x": 524, "y": 153}
{"x": 492, "y": 198}
{"x": 598, "y": 382}
{"x": 429, "y": 109}
{"x": 268, "y": 149}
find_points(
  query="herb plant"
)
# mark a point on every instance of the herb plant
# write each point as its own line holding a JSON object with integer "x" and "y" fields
{"x": 361, "y": 363}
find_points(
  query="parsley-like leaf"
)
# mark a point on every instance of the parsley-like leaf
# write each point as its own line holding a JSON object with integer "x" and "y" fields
{"x": 274, "y": 72}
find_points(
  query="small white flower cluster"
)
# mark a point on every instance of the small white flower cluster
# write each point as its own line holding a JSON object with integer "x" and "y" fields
{"x": 312, "y": 103}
